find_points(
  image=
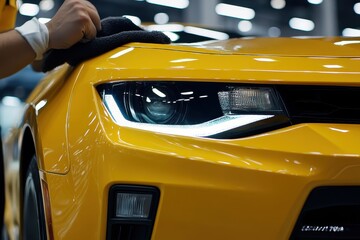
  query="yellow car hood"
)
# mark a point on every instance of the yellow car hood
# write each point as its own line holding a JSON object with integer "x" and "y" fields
{"x": 320, "y": 61}
{"x": 326, "y": 47}
{"x": 314, "y": 61}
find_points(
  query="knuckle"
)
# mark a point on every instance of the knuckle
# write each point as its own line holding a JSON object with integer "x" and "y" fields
{"x": 79, "y": 7}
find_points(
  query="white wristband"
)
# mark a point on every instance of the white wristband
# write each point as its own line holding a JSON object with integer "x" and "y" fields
{"x": 37, "y": 35}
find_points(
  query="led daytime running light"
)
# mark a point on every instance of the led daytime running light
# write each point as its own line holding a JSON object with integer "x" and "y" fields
{"x": 205, "y": 129}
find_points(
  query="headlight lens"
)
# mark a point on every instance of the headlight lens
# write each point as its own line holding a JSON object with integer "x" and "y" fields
{"x": 217, "y": 110}
{"x": 153, "y": 103}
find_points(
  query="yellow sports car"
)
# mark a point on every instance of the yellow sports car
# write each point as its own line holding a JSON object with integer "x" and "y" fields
{"x": 236, "y": 139}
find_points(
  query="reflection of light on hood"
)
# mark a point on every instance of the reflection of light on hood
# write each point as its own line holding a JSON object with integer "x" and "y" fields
{"x": 265, "y": 59}
{"x": 11, "y": 101}
{"x": 118, "y": 54}
{"x": 342, "y": 43}
{"x": 339, "y": 130}
{"x": 40, "y": 105}
{"x": 183, "y": 60}
{"x": 333, "y": 66}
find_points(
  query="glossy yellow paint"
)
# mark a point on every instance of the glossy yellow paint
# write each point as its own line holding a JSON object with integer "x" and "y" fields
{"x": 302, "y": 46}
{"x": 47, "y": 116}
{"x": 198, "y": 64}
{"x": 249, "y": 188}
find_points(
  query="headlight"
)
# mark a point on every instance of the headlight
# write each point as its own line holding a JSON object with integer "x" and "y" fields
{"x": 217, "y": 110}
{"x": 153, "y": 103}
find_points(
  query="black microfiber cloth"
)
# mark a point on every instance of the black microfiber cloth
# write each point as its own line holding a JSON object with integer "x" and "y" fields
{"x": 115, "y": 32}
{"x": 113, "y": 25}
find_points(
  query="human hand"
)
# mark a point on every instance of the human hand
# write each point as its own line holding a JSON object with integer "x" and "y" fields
{"x": 75, "y": 20}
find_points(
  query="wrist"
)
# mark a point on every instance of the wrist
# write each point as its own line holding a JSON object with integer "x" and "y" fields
{"x": 37, "y": 35}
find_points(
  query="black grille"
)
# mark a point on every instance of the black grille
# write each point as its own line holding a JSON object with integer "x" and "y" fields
{"x": 330, "y": 213}
{"x": 321, "y": 104}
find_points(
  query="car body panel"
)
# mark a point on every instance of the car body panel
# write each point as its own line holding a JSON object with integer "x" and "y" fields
{"x": 129, "y": 62}
{"x": 249, "y": 188}
{"x": 296, "y": 46}
{"x": 123, "y": 64}
{"x": 47, "y": 133}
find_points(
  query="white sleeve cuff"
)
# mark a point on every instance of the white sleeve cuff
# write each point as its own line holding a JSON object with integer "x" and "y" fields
{"x": 37, "y": 35}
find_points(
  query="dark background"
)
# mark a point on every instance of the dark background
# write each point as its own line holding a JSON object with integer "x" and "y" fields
{"x": 330, "y": 17}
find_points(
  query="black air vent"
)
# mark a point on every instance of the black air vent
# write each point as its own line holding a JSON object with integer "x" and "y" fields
{"x": 330, "y": 213}
{"x": 321, "y": 104}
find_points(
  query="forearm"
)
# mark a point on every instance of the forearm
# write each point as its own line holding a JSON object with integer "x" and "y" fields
{"x": 75, "y": 20}
{"x": 15, "y": 53}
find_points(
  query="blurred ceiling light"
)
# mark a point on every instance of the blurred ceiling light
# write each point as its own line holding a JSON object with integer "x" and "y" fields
{"x": 44, "y": 20}
{"x": 302, "y": 24}
{"x": 166, "y": 28}
{"x": 173, "y": 36}
{"x": 278, "y": 4}
{"x": 351, "y": 32}
{"x": 29, "y": 9}
{"x": 11, "y": 101}
{"x": 357, "y": 8}
{"x": 245, "y": 26}
{"x": 274, "y": 32}
{"x": 46, "y": 5}
{"x": 315, "y": 1}
{"x": 234, "y": 11}
{"x": 161, "y": 18}
{"x": 206, "y": 33}
{"x": 136, "y": 20}
{"x": 180, "y": 4}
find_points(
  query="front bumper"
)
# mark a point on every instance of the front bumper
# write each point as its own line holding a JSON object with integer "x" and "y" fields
{"x": 251, "y": 188}
{"x": 248, "y": 188}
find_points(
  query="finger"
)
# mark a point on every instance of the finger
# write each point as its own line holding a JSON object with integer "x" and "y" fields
{"x": 90, "y": 31}
{"x": 94, "y": 15}
{"x": 84, "y": 39}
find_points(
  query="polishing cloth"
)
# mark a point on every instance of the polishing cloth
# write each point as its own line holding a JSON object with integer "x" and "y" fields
{"x": 115, "y": 32}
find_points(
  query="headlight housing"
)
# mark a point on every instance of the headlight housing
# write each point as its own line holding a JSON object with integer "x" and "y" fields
{"x": 198, "y": 109}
